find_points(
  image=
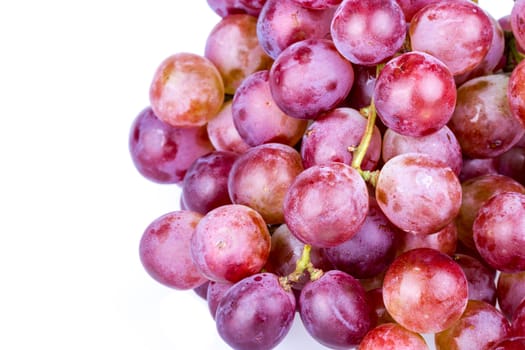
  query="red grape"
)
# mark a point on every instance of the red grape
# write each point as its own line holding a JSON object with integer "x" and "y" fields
{"x": 510, "y": 291}
{"x": 516, "y": 92}
{"x": 222, "y": 132}
{"x": 391, "y": 336}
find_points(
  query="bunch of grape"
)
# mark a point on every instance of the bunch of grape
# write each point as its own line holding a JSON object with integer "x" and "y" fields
{"x": 360, "y": 163}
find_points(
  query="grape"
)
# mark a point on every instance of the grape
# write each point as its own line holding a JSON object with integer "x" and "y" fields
{"x": 371, "y": 250}
{"x": 165, "y": 250}
{"x": 334, "y": 310}
{"x": 411, "y": 7}
{"x": 480, "y": 327}
{"x": 202, "y": 290}
{"x": 253, "y": 7}
{"x": 205, "y": 185}
{"x": 229, "y": 7}
{"x": 155, "y": 148}
{"x": 476, "y": 192}
{"x": 517, "y": 21}
{"x": 418, "y": 193}
{"x": 443, "y": 240}
{"x": 518, "y": 320}
{"x": 391, "y": 336}
{"x": 300, "y": 82}
{"x": 510, "y": 291}
{"x": 459, "y": 33}
{"x": 261, "y": 177}
{"x": 330, "y": 136}
{"x": 370, "y": 32}
{"x": 498, "y": 231}
{"x": 441, "y": 145}
{"x": 326, "y": 205}
{"x": 222, "y": 132}
{"x": 187, "y": 90}
{"x": 284, "y": 22}
{"x": 256, "y": 313}
{"x": 230, "y": 242}
{"x": 286, "y": 251}
{"x": 258, "y": 119}
{"x": 215, "y": 292}
{"x": 516, "y": 92}
{"x": 425, "y": 291}
{"x": 318, "y": 4}
{"x": 232, "y": 46}
{"x": 474, "y": 167}
{"x": 363, "y": 87}
{"x": 482, "y": 121}
{"x": 415, "y": 94}
{"x": 512, "y": 164}
{"x": 374, "y": 299}
{"x": 481, "y": 279}
{"x": 511, "y": 343}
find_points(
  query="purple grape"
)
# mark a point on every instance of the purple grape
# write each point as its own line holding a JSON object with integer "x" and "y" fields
{"x": 156, "y": 148}
{"x": 334, "y": 310}
{"x": 517, "y": 21}
{"x": 258, "y": 119}
{"x": 510, "y": 291}
{"x": 205, "y": 185}
{"x": 474, "y": 167}
{"x": 481, "y": 279}
{"x": 165, "y": 250}
{"x": 318, "y": 4}
{"x": 215, "y": 292}
{"x": 261, "y": 176}
{"x": 256, "y": 313}
{"x": 368, "y": 32}
{"x": 498, "y": 231}
{"x": 418, "y": 193}
{"x": 444, "y": 240}
{"x": 415, "y": 94}
{"x": 301, "y": 83}
{"x": 518, "y": 320}
{"x": 326, "y": 205}
{"x": 330, "y": 136}
{"x": 230, "y": 242}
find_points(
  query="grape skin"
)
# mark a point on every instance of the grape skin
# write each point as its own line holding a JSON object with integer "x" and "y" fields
{"x": 417, "y": 193}
{"x": 517, "y": 21}
{"x": 326, "y": 204}
{"x": 510, "y": 289}
{"x": 256, "y": 313}
{"x": 222, "y": 132}
{"x": 391, "y": 336}
{"x": 516, "y": 92}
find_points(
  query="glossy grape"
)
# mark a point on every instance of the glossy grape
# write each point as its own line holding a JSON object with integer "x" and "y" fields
{"x": 370, "y": 32}
{"x": 214, "y": 294}
{"x": 480, "y": 278}
{"x": 444, "y": 240}
{"x": 517, "y": 21}
{"x": 391, "y": 336}
{"x": 418, "y": 193}
{"x": 510, "y": 291}
{"x": 425, "y": 290}
{"x": 165, "y": 250}
{"x": 187, "y": 90}
{"x": 516, "y": 92}
{"x": 326, "y": 205}
{"x": 256, "y": 313}
{"x": 222, "y": 132}
{"x": 415, "y": 94}
{"x": 230, "y": 242}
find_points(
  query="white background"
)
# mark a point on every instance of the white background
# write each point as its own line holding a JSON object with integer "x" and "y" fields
{"x": 73, "y": 76}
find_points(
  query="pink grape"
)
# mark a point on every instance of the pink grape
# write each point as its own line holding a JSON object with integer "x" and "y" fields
{"x": 229, "y": 7}
{"x": 326, "y": 205}
{"x": 441, "y": 145}
{"x": 318, "y": 4}
{"x": 498, "y": 231}
{"x": 510, "y": 289}
{"x": 165, "y": 250}
{"x": 415, "y": 94}
{"x": 444, "y": 240}
{"x": 480, "y": 278}
{"x": 256, "y": 313}
{"x": 425, "y": 291}
{"x": 215, "y": 292}
{"x": 418, "y": 193}
{"x": 334, "y": 310}
{"x": 300, "y": 82}
{"x": 370, "y": 32}
{"x": 233, "y": 47}
{"x": 260, "y": 179}
{"x": 285, "y": 22}
{"x": 257, "y": 117}
{"x": 187, "y": 90}
{"x": 222, "y": 132}
{"x": 458, "y": 33}
{"x": 162, "y": 153}
{"x": 205, "y": 185}
{"x": 230, "y": 243}
{"x": 330, "y": 136}
{"x": 517, "y": 21}
{"x": 392, "y": 336}
{"x": 480, "y": 327}
{"x": 482, "y": 121}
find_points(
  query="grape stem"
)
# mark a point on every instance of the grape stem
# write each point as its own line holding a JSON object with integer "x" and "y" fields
{"x": 302, "y": 265}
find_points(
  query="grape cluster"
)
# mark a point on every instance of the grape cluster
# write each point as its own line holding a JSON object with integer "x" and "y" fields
{"x": 360, "y": 163}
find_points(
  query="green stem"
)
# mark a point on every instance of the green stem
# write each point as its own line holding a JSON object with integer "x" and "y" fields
{"x": 302, "y": 265}
{"x": 360, "y": 152}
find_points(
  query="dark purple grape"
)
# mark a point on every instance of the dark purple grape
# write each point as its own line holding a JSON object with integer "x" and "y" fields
{"x": 205, "y": 185}
{"x": 334, "y": 310}
{"x": 162, "y": 153}
{"x": 256, "y": 313}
